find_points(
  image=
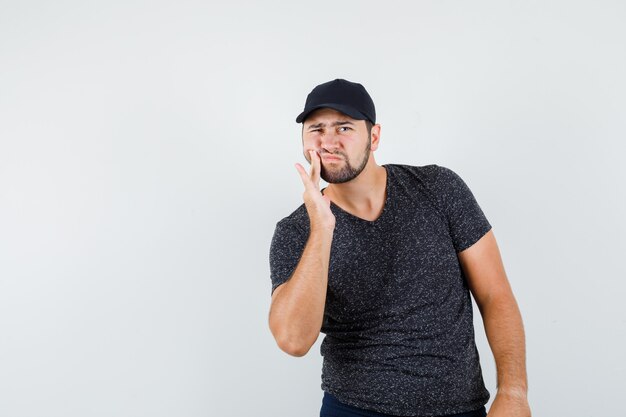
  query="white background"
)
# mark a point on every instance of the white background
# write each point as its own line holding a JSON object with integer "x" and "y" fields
{"x": 147, "y": 150}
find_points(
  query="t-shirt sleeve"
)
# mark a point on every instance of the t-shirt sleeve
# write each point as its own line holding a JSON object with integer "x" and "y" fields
{"x": 466, "y": 220}
{"x": 285, "y": 251}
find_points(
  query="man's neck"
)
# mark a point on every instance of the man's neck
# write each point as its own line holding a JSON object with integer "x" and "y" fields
{"x": 364, "y": 195}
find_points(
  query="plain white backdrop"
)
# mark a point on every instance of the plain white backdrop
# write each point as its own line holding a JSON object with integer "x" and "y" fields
{"x": 147, "y": 150}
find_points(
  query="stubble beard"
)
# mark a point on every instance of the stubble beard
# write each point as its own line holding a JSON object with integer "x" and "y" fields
{"x": 344, "y": 172}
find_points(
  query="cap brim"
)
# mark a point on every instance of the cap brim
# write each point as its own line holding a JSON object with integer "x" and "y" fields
{"x": 350, "y": 111}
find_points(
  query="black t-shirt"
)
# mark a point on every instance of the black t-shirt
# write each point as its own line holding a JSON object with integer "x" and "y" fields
{"x": 398, "y": 314}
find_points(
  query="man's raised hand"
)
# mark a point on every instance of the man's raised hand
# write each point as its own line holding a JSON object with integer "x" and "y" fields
{"x": 317, "y": 204}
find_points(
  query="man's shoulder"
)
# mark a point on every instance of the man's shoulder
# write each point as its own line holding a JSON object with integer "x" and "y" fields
{"x": 427, "y": 173}
{"x": 298, "y": 220}
{"x": 430, "y": 181}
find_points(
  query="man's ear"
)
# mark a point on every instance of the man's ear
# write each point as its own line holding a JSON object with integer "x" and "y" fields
{"x": 375, "y": 136}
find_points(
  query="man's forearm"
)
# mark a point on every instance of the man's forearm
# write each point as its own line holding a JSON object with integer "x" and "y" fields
{"x": 297, "y": 313}
{"x": 505, "y": 332}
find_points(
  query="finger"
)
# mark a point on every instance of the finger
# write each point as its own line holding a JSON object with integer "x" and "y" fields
{"x": 304, "y": 176}
{"x": 315, "y": 167}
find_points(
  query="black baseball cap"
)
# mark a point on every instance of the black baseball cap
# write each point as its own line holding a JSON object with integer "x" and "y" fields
{"x": 342, "y": 95}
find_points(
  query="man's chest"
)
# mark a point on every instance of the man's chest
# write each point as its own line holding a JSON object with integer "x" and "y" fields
{"x": 376, "y": 266}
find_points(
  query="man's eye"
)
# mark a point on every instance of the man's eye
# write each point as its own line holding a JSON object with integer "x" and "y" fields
{"x": 344, "y": 127}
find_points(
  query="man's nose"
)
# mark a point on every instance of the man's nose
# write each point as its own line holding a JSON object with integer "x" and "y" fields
{"x": 328, "y": 139}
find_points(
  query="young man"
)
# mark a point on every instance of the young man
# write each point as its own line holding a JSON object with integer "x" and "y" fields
{"x": 383, "y": 261}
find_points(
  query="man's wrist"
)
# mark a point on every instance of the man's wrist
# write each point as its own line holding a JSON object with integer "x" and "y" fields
{"x": 513, "y": 391}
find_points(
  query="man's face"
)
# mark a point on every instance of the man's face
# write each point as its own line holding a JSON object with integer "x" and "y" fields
{"x": 333, "y": 134}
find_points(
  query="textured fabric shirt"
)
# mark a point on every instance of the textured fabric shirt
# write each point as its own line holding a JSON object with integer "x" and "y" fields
{"x": 398, "y": 313}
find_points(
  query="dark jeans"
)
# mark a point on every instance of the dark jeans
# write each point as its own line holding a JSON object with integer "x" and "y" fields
{"x": 331, "y": 407}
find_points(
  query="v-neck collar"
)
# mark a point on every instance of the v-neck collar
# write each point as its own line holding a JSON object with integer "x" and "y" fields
{"x": 386, "y": 207}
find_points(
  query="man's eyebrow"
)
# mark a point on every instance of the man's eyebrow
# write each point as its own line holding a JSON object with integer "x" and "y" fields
{"x": 339, "y": 123}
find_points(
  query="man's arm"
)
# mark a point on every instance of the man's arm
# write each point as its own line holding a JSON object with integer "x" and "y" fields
{"x": 297, "y": 308}
{"x": 297, "y": 311}
{"x": 483, "y": 268}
